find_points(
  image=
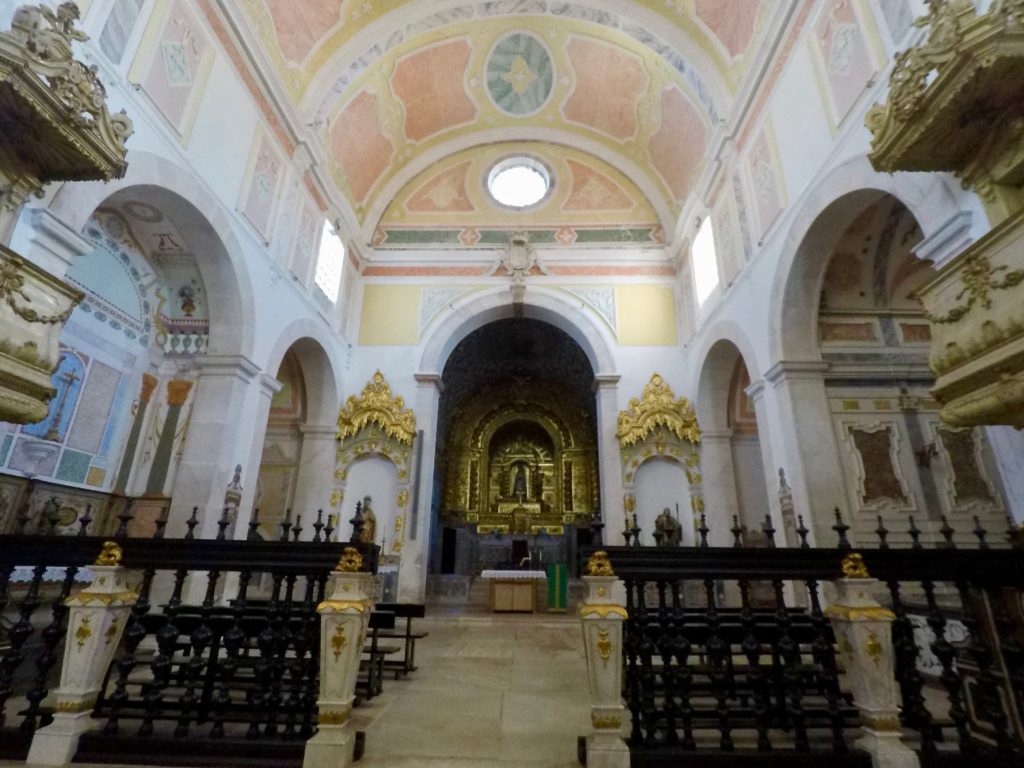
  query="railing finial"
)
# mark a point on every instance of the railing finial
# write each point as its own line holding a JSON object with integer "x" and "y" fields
{"x": 854, "y": 568}
{"x": 599, "y": 564}
{"x": 111, "y": 554}
{"x": 351, "y": 561}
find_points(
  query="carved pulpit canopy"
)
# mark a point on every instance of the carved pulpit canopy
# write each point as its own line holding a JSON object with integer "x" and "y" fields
{"x": 376, "y": 405}
{"x": 658, "y": 407}
{"x": 72, "y": 135}
{"x": 956, "y": 101}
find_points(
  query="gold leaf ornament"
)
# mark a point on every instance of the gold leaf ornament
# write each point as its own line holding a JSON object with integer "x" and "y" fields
{"x": 658, "y": 407}
{"x": 351, "y": 561}
{"x": 111, "y": 554}
{"x": 599, "y": 564}
{"x": 854, "y": 568}
{"x": 377, "y": 406}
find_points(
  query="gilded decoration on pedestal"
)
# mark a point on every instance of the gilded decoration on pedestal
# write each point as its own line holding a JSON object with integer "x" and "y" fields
{"x": 854, "y": 568}
{"x": 111, "y": 554}
{"x": 599, "y": 564}
{"x": 376, "y": 405}
{"x": 604, "y": 645}
{"x": 338, "y": 641}
{"x": 657, "y": 407}
{"x": 351, "y": 561}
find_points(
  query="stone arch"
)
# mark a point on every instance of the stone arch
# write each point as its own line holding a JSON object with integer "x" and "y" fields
{"x": 313, "y": 348}
{"x": 211, "y": 232}
{"x": 836, "y": 202}
{"x": 539, "y": 304}
{"x": 720, "y": 345}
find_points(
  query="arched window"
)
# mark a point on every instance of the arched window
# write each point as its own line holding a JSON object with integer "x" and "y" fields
{"x": 329, "y": 262}
{"x": 705, "y": 261}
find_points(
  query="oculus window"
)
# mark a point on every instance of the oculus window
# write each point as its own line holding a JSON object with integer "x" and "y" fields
{"x": 705, "y": 261}
{"x": 329, "y": 262}
{"x": 519, "y": 182}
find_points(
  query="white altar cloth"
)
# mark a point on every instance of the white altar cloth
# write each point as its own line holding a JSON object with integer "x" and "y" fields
{"x": 514, "y": 575}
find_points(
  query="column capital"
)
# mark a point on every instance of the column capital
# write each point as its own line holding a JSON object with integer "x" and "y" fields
{"x": 755, "y": 390}
{"x": 239, "y": 366}
{"x": 430, "y": 380}
{"x": 606, "y": 381}
{"x": 53, "y": 245}
{"x": 947, "y": 241}
{"x": 177, "y": 391}
{"x": 788, "y": 370}
{"x": 269, "y": 386}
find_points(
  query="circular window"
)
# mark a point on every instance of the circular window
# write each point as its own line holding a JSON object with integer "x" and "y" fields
{"x": 519, "y": 182}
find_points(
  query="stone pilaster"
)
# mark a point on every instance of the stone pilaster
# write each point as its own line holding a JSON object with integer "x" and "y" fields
{"x": 609, "y": 457}
{"x": 344, "y": 617}
{"x": 602, "y": 617}
{"x": 96, "y": 622}
{"x": 863, "y": 630}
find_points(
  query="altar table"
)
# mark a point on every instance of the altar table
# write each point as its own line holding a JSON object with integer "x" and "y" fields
{"x": 514, "y": 591}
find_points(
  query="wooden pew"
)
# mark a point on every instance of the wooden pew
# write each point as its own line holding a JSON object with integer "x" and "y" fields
{"x": 372, "y": 683}
{"x": 407, "y": 611}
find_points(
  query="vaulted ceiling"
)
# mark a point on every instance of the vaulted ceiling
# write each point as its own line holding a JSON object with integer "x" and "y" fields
{"x": 414, "y": 101}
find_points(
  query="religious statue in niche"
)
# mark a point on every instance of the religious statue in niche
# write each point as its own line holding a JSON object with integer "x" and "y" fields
{"x": 519, "y": 484}
{"x": 667, "y": 530}
{"x": 369, "y": 532}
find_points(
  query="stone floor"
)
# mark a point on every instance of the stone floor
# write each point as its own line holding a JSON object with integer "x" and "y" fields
{"x": 508, "y": 691}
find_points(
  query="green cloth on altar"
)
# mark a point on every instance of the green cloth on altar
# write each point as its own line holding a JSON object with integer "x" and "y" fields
{"x": 558, "y": 588}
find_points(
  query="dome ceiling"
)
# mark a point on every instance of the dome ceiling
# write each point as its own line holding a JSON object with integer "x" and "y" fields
{"x": 622, "y": 97}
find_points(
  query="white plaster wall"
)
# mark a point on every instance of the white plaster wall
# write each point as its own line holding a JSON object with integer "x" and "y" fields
{"x": 377, "y": 478}
{"x": 661, "y": 484}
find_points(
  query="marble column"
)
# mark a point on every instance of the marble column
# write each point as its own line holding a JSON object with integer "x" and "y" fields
{"x": 177, "y": 394}
{"x": 756, "y": 392}
{"x": 128, "y": 460}
{"x": 227, "y": 419}
{"x": 721, "y": 500}
{"x": 412, "y": 574}
{"x": 804, "y": 442}
{"x": 609, "y": 457}
{"x": 316, "y": 470}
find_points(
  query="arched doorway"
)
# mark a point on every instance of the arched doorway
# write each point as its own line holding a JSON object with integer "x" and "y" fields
{"x": 516, "y": 449}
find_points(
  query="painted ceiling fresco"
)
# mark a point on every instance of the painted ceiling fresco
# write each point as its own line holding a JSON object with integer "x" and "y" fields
{"x": 396, "y": 87}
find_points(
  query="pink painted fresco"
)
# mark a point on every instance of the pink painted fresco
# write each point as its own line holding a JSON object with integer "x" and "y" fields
{"x": 429, "y": 83}
{"x": 259, "y": 200}
{"x": 731, "y": 21}
{"x": 299, "y": 24}
{"x": 678, "y": 146}
{"x": 444, "y": 192}
{"x": 358, "y": 145}
{"x": 178, "y": 54}
{"x": 593, "y": 191}
{"x": 844, "y": 50}
{"x": 765, "y": 181}
{"x": 609, "y": 85}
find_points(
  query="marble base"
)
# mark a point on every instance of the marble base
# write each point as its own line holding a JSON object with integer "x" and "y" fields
{"x": 330, "y": 748}
{"x": 607, "y": 750}
{"x": 887, "y": 750}
{"x": 57, "y": 743}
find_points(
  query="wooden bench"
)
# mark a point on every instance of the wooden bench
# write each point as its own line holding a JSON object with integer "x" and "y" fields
{"x": 407, "y": 611}
{"x": 370, "y": 682}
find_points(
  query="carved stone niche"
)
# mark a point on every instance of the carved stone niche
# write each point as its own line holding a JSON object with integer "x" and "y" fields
{"x": 956, "y": 104}
{"x": 54, "y": 126}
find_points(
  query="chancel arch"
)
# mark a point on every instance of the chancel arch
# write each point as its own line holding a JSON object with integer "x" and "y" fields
{"x": 517, "y": 448}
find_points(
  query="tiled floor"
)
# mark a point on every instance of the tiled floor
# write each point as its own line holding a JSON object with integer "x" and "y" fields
{"x": 504, "y": 691}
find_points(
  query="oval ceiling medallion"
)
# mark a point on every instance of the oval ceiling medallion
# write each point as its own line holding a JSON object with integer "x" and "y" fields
{"x": 520, "y": 75}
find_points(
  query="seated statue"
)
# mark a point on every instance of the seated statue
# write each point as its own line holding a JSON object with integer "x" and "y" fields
{"x": 668, "y": 532}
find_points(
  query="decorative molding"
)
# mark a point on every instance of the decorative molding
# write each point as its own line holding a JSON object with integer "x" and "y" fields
{"x": 376, "y": 405}
{"x": 657, "y": 407}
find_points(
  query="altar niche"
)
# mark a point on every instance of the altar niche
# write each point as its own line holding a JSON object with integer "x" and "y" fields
{"x": 518, "y": 447}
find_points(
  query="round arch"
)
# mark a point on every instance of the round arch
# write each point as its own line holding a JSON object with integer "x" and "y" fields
{"x": 840, "y": 197}
{"x": 210, "y": 231}
{"x": 716, "y": 372}
{"x": 313, "y": 348}
{"x": 541, "y": 304}
{"x": 721, "y": 336}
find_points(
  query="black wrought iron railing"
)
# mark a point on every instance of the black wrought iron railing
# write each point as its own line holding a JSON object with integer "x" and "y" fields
{"x": 728, "y": 652}
{"x": 221, "y": 648}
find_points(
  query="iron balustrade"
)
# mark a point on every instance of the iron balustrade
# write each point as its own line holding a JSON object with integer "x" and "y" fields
{"x": 728, "y": 653}
{"x": 219, "y": 659}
